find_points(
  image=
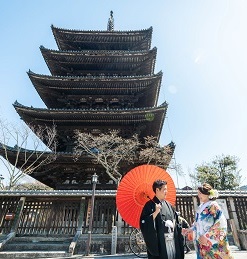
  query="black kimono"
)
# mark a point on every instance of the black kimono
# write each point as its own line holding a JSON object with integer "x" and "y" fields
{"x": 153, "y": 232}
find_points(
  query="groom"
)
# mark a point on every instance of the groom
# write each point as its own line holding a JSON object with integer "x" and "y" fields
{"x": 160, "y": 227}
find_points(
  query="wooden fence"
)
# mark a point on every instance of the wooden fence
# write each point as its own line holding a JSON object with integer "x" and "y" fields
{"x": 63, "y": 213}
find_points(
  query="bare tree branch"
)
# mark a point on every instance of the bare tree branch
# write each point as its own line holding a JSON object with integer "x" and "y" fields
{"x": 154, "y": 153}
{"x": 22, "y": 149}
{"x": 108, "y": 150}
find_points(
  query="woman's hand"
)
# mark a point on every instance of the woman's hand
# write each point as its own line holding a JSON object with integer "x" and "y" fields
{"x": 189, "y": 232}
{"x": 203, "y": 240}
{"x": 185, "y": 231}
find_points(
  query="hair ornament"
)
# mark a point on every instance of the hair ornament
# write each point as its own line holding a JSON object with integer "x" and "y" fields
{"x": 213, "y": 194}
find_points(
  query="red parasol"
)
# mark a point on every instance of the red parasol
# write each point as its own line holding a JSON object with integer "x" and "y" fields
{"x": 135, "y": 189}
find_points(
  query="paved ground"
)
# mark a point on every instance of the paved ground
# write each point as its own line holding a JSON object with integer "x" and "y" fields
{"x": 191, "y": 255}
{"x": 236, "y": 253}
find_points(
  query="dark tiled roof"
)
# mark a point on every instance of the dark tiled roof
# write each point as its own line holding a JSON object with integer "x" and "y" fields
{"x": 137, "y": 91}
{"x": 118, "y": 40}
{"x": 144, "y": 121}
{"x": 82, "y": 63}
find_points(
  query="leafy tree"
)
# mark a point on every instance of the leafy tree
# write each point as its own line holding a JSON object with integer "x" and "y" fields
{"x": 222, "y": 173}
{"x": 16, "y": 139}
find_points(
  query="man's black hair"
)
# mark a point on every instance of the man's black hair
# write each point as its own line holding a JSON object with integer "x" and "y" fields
{"x": 158, "y": 184}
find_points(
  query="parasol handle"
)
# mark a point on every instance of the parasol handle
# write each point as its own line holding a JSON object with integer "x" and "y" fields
{"x": 150, "y": 199}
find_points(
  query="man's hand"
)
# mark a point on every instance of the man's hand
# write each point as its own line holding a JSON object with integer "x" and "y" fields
{"x": 157, "y": 207}
{"x": 157, "y": 210}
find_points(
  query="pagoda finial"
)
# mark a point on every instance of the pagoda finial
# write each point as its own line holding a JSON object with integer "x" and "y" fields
{"x": 110, "y": 25}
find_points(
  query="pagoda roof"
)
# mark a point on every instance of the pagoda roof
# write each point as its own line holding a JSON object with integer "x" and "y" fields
{"x": 96, "y": 62}
{"x": 98, "y": 40}
{"x": 58, "y": 170}
{"x": 143, "y": 121}
{"x": 60, "y": 91}
{"x": 65, "y": 172}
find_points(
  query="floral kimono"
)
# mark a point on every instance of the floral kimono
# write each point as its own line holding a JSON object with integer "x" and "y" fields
{"x": 211, "y": 223}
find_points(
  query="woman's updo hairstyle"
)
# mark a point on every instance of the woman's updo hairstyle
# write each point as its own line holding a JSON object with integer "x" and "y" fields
{"x": 207, "y": 189}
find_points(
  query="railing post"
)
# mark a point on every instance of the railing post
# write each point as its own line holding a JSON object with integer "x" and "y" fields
{"x": 79, "y": 228}
{"x": 114, "y": 240}
{"x": 195, "y": 203}
{"x": 17, "y": 218}
{"x": 233, "y": 212}
{"x": 90, "y": 227}
{"x": 119, "y": 223}
{"x": 15, "y": 224}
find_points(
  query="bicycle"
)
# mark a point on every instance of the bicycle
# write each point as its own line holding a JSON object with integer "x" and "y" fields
{"x": 137, "y": 243}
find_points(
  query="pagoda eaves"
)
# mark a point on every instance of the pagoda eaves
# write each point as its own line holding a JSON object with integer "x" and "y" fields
{"x": 100, "y": 91}
{"x": 93, "y": 62}
{"x": 144, "y": 121}
{"x": 105, "y": 40}
{"x": 65, "y": 172}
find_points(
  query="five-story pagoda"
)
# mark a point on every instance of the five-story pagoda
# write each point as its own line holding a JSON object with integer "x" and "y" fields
{"x": 100, "y": 81}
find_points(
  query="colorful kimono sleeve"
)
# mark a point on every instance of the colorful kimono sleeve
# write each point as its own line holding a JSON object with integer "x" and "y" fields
{"x": 218, "y": 231}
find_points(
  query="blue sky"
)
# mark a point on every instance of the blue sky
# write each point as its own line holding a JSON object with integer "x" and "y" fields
{"x": 202, "y": 51}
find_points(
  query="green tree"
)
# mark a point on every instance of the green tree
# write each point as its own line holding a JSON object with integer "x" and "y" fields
{"x": 222, "y": 173}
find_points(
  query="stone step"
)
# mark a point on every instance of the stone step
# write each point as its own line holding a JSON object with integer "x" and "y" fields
{"x": 40, "y": 246}
{"x": 234, "y": 248}
{"x": 33, "y": 254}
{"x": 41, "y": 239}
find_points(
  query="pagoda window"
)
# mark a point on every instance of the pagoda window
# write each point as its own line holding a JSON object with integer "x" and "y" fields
{"x": 99, "y": 100}
{"x": 114, "y": 100}
{"x": 83, "y": 100}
